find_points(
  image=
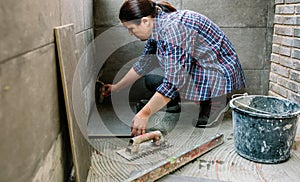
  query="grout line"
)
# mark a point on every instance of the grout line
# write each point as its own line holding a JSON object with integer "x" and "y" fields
{"x": 24, "y": 53}
{"x": 84, "y": 30}
{"x": 37, "y": 48}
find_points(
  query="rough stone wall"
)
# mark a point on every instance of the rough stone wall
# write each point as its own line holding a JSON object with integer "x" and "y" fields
{"x": 248, "y": 24}
{"x": 285, "y": 58}
{"x": 34, "y": 134}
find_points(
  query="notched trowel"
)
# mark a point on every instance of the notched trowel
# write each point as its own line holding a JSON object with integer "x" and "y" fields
{"x": 101, "y": 87}
{"x": 143, "y": 145}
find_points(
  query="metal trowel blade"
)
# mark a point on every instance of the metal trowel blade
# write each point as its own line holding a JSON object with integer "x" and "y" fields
{"x": 145, "y": 149}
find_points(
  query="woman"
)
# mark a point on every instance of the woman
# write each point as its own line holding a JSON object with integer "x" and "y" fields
{"x": 198, "y": 61}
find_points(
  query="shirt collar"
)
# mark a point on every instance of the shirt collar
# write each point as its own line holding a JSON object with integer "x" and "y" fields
{"x": 156, "y": 24}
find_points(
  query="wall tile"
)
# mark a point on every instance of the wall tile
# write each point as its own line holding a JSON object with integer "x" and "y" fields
{"x": 257, "y": 81}
{"x": 26, "y": 25}
{"x": 88, "y": 13}
{"x": 72, "y": 11}
{"x": 30, "y": 118}
{"x": 106, "y": 13}
{"x": 250, "y": 44}
{"x": 231, "y": 13}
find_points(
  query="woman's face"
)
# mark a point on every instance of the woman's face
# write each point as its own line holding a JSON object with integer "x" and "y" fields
{"x": 141, "y": 31}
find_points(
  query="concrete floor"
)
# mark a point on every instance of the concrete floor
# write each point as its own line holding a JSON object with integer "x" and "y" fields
{"x": 220, "y": 164}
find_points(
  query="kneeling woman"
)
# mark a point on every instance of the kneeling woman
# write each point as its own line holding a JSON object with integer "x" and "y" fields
{"x": 198, "y": 61}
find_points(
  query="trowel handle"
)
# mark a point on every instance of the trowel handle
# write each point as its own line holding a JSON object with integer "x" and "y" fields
{"x": 101, "y": 91}
{"x": 156, "y": 136}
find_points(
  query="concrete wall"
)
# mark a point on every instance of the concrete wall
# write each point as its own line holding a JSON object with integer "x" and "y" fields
{"x": 248, "y": 24}
{"x": 33, "y": 132}
{"x": 285, "y": 59}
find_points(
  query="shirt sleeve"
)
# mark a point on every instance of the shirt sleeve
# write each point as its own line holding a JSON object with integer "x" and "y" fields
{"x": 174, "y": 70}
{"x": 148, "y": 61}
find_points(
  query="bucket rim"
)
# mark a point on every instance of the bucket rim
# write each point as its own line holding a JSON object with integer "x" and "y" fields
{"x": 264, "y": 115}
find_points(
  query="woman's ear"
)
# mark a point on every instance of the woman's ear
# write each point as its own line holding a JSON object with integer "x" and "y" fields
{"x": 146, "y": 21}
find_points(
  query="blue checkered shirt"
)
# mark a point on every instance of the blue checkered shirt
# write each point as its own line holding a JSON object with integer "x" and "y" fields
{"x": 198, "y": 60}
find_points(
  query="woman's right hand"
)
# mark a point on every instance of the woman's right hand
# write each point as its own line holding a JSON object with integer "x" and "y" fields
{"x": 108, "y": 90}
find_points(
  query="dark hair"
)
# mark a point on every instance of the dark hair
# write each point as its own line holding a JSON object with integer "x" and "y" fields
{"x": 134, "y": 10}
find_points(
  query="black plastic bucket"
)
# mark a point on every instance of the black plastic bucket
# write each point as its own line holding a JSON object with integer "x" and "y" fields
{"x": 264, "y": 127}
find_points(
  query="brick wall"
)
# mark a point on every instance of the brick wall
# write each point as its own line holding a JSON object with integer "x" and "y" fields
{"x": 285, "y": 58}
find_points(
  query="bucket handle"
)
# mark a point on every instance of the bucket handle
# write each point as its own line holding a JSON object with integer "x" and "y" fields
{"x": 238, "y": 95}
{"x": 246, "y": 106}
{"x": 253, "y": 109}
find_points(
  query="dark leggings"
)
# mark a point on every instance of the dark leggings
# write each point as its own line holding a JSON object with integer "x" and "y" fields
{"x": 213, "y": 104}
{"x": 153, "y": 81}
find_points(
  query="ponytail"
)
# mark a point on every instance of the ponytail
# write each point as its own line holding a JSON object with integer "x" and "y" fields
{"x": 164, "y": 6}
{"x": 134, "y": 10}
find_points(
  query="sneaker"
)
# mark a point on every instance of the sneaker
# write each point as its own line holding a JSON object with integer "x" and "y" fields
{"x": 210, "y": 120}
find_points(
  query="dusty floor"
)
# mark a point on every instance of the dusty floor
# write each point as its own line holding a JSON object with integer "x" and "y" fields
{"x": 222, "y": 163}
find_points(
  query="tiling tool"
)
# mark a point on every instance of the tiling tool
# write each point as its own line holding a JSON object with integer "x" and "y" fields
{"x": 101, "y": 87}
{"x": 143, "y": 145}
{"x": 172, "y": 163}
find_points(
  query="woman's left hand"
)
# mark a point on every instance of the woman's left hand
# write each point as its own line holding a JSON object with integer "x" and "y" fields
{"x": 139, "y": 124}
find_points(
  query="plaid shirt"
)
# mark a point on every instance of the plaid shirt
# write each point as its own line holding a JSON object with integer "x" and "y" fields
{"x": 197, "y": 59}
